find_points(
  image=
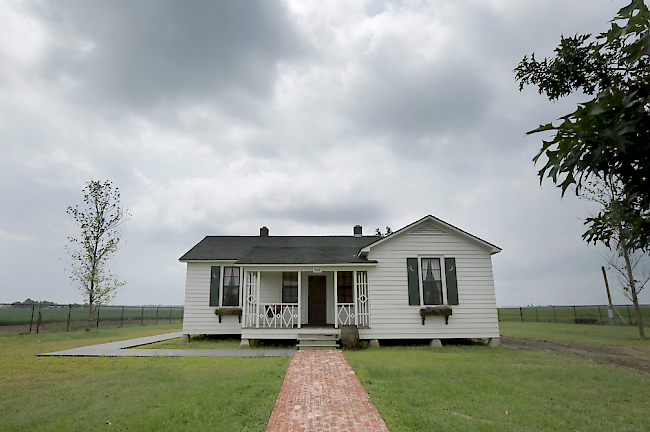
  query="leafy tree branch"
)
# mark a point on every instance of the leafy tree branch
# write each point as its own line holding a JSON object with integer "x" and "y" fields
{"x": 608, "y": 135}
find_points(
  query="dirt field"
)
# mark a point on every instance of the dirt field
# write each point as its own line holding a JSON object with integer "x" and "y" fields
{"x": 629, "y": 357}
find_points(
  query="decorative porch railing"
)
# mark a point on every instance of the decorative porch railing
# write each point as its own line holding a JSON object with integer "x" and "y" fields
{"x": 251, "y": 293}
{"x": 287, "y": 315}
{"x": 345, "y": 313}
{"x": 278, "y": 315}
{"x": 363, "y": 309}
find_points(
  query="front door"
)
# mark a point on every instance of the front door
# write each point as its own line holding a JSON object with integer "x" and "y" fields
{"x": 317, "y": 300}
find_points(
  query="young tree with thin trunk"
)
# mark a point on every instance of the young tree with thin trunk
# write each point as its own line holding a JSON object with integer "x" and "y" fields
{"x": 99, "y": 240}
{"x": 610, "y": 193}
{"x": 628, "y": 279}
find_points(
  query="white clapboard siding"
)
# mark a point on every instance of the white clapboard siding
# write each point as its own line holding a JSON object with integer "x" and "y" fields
{"x": 390, "y": 313}
{"x": 271, "y": 287}
{"x": 199, "y": 317}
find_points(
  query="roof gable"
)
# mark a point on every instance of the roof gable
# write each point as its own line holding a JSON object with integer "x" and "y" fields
{"x": 430, "y": 225}
{"x": 314, "y": 249}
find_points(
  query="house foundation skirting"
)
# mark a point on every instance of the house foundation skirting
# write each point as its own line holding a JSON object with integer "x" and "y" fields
{"x": 256, "y": 333}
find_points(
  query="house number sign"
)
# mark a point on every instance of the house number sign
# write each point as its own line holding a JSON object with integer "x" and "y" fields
{"x": 317, "y": 270}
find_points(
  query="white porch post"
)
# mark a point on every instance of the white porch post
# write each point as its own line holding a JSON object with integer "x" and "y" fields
{"x": 299, "y": 299}
{"x": 336, "y": 299}
{"x": 354, "y": 298}
{"x": 243, "y": 296}
{"x": 258, "y": 289}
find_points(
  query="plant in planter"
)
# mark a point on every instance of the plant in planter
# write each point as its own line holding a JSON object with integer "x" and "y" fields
{"x": 228, "y": 311}
{"x": 442, "y": 310}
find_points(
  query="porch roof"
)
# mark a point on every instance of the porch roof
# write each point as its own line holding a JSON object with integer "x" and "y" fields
{"x": 302, "y": 255}
{"x": 281, "y": 249}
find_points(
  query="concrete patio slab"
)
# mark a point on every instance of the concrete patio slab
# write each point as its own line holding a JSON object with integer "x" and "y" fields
{"x": 119, "y": 349}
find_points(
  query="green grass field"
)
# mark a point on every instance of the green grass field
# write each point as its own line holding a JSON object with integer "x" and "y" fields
{"x": 197, "y": 342}
{"x": 585, "y": 334}
{"x": 568, "y": 314}
{"x": 479, "y": 388}
{"x": 460, "y": 388}
{"x": 135, "y": 394}
{"x": 23, "y": 316}
{"x": 217, "y": 342}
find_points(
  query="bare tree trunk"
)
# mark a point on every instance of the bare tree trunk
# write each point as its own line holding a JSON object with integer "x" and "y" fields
{"x": 632, "y": 282}
{"x": 90, "y": 304}
{"x": 90, "y": 314}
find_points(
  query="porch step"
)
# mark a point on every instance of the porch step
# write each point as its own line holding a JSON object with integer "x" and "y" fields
{"x": 317, "y": 341}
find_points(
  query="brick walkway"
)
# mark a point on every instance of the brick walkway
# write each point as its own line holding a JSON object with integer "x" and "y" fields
{"x": 321, "y": 392}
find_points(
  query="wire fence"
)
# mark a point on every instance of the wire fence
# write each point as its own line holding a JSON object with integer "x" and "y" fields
{"x": 587, "y": 314}
{"x": 31, "y": 318}
{"x": 35, "y": 318}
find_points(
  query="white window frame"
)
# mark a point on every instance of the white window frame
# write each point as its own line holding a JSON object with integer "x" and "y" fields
{"x": 222, "y": 292}
{"x": 282, "y": 287}
{"x": 443, "y": 278}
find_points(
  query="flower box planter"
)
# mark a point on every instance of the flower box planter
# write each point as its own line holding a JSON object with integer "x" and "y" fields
{"x": 436, "y": 310}
{"x": 228, "y": 311}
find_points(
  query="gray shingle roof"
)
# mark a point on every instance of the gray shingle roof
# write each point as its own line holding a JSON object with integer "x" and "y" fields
{"x": 281, "y": 249}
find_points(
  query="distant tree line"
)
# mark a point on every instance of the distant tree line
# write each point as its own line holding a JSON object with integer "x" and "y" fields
{"x": 29, "y": 303}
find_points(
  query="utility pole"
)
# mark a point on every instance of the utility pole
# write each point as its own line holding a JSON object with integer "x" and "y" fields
{"x": 610, "y": 310}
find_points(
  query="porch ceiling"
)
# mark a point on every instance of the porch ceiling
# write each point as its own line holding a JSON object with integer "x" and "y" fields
{"x": 303, "y": 255}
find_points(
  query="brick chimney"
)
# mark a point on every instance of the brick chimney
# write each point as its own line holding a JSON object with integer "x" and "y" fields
{"x": 358, "y": 231}
{"x": 264, "y": 232}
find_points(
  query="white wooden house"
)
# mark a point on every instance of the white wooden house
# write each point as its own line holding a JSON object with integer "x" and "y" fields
{"x": 280, "y": 287}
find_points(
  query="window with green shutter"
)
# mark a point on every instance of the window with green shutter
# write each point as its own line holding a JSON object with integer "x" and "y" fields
{"x": 450, "y": 279}
{"x": 215, "y": 279}
{"x": 431, "y": 281}
{"x": 230, "y": 286}
{"x": 413, "y": 281}
{"x": 426, "y": 274}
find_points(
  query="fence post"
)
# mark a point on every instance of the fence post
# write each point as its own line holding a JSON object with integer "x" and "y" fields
{"x": 628, "y": 314}
{"x": 142, "y": 315}
{"x": 69, "y": 312}
{"x": 575, "y": 316}
{"x": 122, "y": 322}
{"x": 554, "y": 317}
{"x": 536, "y": 315}
{"x": 171, "y": 308}
{"x": 97, "y": 317}
{"x": 600, "y": 315}
{"x": 521, "y": 314}
{"x": 32, "y": 320}
{"x": 157, "y": 314}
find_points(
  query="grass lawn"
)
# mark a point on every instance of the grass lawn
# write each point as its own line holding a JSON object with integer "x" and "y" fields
{"x": 218, "y": 342}
{"x": 579, "y": 333}
{"x": 568, "y": 314}
{"x": 197, "y": 342}
{"x": 459, "y": 388}
{"x": 160, "y": 393}
{"x": 479, "y": 388}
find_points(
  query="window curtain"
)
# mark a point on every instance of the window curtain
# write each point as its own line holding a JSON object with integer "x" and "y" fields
{"x": 431, "y": 281}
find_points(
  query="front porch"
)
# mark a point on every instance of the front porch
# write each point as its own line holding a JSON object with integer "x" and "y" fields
{"x": 296, "y": 301}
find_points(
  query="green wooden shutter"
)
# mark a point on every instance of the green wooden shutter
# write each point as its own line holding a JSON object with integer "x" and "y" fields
{"x": 452, "y": 283}
{"x": 215, "y": 279}
{"x": 413, "y": 281}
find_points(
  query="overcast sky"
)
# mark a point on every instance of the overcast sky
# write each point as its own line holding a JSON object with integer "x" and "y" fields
{"x": 306, "y": 117}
